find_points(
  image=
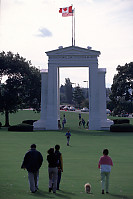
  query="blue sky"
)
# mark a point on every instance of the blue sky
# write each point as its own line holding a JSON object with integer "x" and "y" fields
{"x": 32, "y": 27}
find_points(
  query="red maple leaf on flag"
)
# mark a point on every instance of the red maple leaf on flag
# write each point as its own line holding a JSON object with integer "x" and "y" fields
{"x": 65, "y": 9}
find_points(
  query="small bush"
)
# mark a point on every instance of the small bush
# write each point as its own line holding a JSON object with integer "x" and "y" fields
{"x": 21, "y": 127}
{"x": 29, "y": 122}
{"x": 121, "y": 121}
{"x": 121, "y": 128}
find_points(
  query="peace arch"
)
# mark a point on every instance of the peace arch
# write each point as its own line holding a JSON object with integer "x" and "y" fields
{"x": 72, "y": 56}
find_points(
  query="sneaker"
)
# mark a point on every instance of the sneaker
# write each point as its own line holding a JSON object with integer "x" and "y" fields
{"x": 102, "y": 191}
{"x": 107, "y": 192}
{"x": 50, "y": 189}
{"x": 33, "y": 191}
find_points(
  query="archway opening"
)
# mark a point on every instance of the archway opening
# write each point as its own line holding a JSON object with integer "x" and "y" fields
{"x": 77, "y": 75}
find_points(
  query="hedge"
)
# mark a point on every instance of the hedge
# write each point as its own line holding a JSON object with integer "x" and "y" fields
{"x": 29, "y": 122}
{"x": 121, "y": 128}
{"x": 121, "y": 121}
{"x": 21, "y": 127}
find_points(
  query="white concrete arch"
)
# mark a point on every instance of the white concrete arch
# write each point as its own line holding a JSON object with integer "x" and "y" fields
{"x": 72, "y": 56}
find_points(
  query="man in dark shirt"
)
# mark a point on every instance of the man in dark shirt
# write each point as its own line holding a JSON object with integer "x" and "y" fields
{"x": 32, "y": 162}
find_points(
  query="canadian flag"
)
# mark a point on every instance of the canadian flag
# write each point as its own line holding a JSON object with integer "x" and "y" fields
{"x": 67, "y": 11}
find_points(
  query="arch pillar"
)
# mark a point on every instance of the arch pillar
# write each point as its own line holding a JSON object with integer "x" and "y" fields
{"x": 41, "y": 124}
{"x": 94, "y": 121}
{"x": 102, "y": 93}
{"x": 53, "y": 95}
{"x": 104, "y": 122}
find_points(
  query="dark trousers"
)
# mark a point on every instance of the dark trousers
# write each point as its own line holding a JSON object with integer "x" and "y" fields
{"x": 58, "y": 179}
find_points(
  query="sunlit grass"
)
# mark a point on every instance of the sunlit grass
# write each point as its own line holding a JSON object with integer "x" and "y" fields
{"x": 80, "y": 160}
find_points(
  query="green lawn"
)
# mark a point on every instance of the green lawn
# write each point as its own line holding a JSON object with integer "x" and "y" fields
{"x": 80, "y": 160}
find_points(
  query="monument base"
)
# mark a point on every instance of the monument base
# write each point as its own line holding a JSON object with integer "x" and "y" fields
{"x": 98, "y": 125}
{"x": 52, "y": 124}
{"x": 39, "y": 125}
{"x": 105, "y": 124}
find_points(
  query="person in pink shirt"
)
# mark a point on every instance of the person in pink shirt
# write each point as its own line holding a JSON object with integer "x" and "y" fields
{"x": 104, "y": 165}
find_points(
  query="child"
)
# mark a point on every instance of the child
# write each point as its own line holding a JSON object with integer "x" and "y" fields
{"x": 104, "y": 165}
{"x": 68, "y": 134}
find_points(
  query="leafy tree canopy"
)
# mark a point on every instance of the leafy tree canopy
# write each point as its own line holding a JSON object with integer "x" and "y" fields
{"x": 122, "y": 87}
{"x": 22, "y": 87}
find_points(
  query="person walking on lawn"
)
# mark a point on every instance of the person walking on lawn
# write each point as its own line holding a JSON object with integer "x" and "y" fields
{"x": 59, "y": 164}
{"x": 32, "y": 162}
{"x": 104, "y": 165}
{"x": 68, "y": 135}
{"x": 52, "y": 170}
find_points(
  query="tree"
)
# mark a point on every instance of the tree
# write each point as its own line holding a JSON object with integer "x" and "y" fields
{"x": 78, "y": 96}
{"x": 68, "y": 90}
{"x": 122, "y": 88}
{"x": 22, "y": 87}
{"x": 85, "y": 103}
{"x": 62, "y": 94}
{"x": 32, "y": 89}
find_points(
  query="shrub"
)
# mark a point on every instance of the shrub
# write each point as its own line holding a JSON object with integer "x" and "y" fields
{"x": 29, "y": 122}
{"x": 121, "y": 121}
{"x": 121, "y": 128}
{"x": 21, "y": 127}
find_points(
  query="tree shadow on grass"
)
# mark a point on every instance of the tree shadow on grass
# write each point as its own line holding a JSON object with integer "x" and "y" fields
{"x": 60, "y": 194}
{"x": 120, "y": 196}
{"x": 43, "y": 194}
{"x": 64, "y": 194}
{"x": 86, "y": 132}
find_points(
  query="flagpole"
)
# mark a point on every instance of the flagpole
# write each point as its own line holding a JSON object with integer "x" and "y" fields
{"x": 74, "y": 26}
{"x": 72, "y": 30}
{"x": 0, "y": 17}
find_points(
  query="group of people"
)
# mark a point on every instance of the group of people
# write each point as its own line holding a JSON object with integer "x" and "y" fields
{"x": 82, "y": 121}
{"x": 55, "y": 168}
{"x": 32, "y": 162}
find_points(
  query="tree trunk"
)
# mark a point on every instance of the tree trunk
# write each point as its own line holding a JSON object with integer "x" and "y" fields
{"x": 6, "y": 119}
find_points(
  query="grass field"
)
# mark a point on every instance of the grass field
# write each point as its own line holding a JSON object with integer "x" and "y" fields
{"x": 80, "y": 160}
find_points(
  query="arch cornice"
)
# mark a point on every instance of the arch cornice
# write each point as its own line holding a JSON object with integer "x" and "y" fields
{"x": 73, "y": 51}
{"x": 73, "y": 56}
